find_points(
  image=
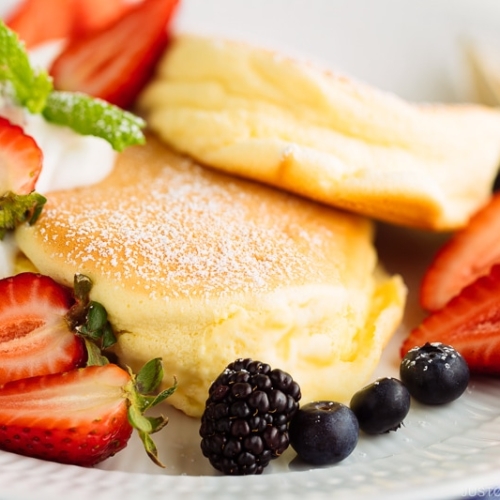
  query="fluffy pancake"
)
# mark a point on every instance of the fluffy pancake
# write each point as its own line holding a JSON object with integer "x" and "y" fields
{"x": 201, "y": 268}
{"x": 254, "y": 113}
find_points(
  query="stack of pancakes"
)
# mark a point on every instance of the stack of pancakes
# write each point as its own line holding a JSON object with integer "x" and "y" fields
{"x": 201, "y": 267}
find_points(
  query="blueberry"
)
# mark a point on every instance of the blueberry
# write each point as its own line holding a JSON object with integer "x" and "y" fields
{"x": 381, "y": 406}
{"x": 434, "y": 373}
{"x": 323, "y": 432}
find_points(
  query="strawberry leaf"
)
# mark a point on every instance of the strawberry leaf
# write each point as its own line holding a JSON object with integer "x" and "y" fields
{"x": 89, "y": 319}
{"x": 149, "y": 377}
{"x": 90, "y": 116}
{"x": 18, "y": 208}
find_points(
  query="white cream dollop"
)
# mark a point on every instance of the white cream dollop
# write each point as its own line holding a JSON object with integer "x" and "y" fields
{"x": 69, "y": 160}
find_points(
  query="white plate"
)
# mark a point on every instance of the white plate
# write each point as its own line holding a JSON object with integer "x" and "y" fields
{"x": 409, "y": 47}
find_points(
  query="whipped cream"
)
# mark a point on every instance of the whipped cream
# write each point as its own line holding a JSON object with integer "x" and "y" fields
{"x": 70, "y": 160}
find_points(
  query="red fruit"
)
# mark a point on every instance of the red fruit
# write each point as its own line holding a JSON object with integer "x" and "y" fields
{"x": 82, "y": 416}
{"x": 35, "y": 338}
{"x": 470, "y": 322}
{"x": 20, "y": 159}
{"x": 91, "y": 15}
{"x": 79, "y": 417}
{"x": 115, "y": 63}
{"x": 470, "y": 253}
{"x": 38, "y": 21}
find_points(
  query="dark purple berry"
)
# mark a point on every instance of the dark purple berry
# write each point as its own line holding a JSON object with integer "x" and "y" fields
{"x": 381, "y": 407}
{"x": 323, "y": 432}
{"x": 434, "y": 373}
{"x": 245, "y": 422}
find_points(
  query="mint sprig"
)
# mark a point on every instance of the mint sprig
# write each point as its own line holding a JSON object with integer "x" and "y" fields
{"x": 86, "y": 115}
{"x": 90, "y": 116}
{"x": 27, "y": 86}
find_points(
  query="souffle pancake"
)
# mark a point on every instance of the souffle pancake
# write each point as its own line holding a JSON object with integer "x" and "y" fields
{"x": 201, "y": 268}
{"x": 291, "y": 124}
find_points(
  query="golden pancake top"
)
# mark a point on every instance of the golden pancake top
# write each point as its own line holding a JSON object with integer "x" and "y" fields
{"x": 285, "y": 122}
{"x": 166, "y": 227}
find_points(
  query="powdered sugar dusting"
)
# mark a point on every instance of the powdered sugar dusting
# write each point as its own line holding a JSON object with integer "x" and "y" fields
{"x": 184, "y": 231}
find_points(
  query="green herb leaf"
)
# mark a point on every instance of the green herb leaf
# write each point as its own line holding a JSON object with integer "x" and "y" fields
{"x": 90, "y": 116}
{"x": 25, "y": 85}
{"x": 18, "y": 208}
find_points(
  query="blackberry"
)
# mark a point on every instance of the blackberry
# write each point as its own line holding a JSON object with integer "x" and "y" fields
{"x": 245, "y": 422}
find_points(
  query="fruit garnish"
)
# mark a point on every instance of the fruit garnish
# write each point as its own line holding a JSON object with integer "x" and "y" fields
{"x": 381, "y": 406}
{"x": 434, "y": 373}
{"x": 33, "y": 90}
{"x": 27, "y": 86}
{"x": 245, "y": 422}
{"x": 115, "y": 63}
{"x": 89, "y": 320}
{"x": 324, "y": 432}
{"x": 468, "y": 254}
{"x": 82, "y": 416}
{"x": 91, "y": 116}
{"x": 34, "y": 336}
{"x": 20, "y": 159}
{"x": 38, "y": 21}
{"x": 92, "y": 15}
{"x": 18, "y": 208}
{"x": 470, "y": 322}
{"x": 20, "y": 166}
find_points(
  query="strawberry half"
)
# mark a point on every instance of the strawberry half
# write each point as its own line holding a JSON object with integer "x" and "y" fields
{"x": 35, "y": 338}
{"x": 469, "y": 253}
{"x": 91, "y": 15}
{"x": 469, "y": 322}
{"x": 80, "y": 417}
{"x": 114, "y": 63}
{"x": 20, "y": 159}
{"x": 38, "y": 21}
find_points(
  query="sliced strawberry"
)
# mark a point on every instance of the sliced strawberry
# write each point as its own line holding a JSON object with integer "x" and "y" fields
{"x": 79, "y": 417}
{"x": 38, "y": 21}
{"x": 20, "y": 159}
{"x": 468, "y": 254}
{"x": 35, "y": 338}
{"x": 91, "y": 15}
{"x": 469, "y": 322}
{"x": 115, "y": 63}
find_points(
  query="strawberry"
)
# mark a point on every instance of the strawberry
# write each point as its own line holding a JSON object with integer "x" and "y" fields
{"x": 38, "y": 21}
{"x": 114, "y": 63}
{"x": 79, "y": 417}
{"x": 91, "y": 15}
{"x": 468, "y": 254}
{"x": 20, "y": 159}
{"x": 469, "y": 322}
{"x": 35, "y": 338}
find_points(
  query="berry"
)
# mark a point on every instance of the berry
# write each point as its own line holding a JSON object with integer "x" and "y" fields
{"x": 470, "y": 253}
{"x": 79, "y": 417}
{"x": 382, "y": 406}
{"x": 245, "y": 422}
{"x": 35, "y": 338}
{"x": 324, "y": 432}
{"x": 129, "y": 60}
{"x": 20, "y": 159}
{"x": 470, "y": 322}
{"x": 434, "y": 373}
{"x": 39, "y": 21}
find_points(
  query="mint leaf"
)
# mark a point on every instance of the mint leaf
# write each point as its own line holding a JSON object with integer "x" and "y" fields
{"x": 18, "y": 208}
{"x": 27, "y": 86}
{"x": 90, "y": 116}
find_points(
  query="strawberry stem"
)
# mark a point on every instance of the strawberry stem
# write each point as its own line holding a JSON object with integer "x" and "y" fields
{"x": 141, "y": 399}
{"x": 89, "y": 319}
{"x": 18, "y": 208}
